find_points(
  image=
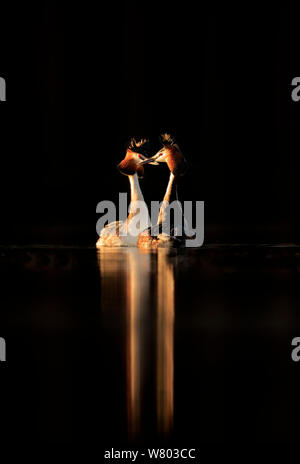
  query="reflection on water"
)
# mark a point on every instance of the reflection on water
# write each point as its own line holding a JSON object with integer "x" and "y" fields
{"x": 137, "y": 286}
{"x": 146, "y": 282}
{"x": 237, "y": 310}
{"x": 165, "y": 343}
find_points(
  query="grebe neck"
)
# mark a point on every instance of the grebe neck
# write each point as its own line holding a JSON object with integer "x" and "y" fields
{"x": 170, "y": 188}
{"x": 135, "y": 190}
{"x": 167, "y": 198}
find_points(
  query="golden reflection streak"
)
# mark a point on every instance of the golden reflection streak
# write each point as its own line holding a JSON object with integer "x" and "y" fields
{"x": 165, "y": 343}
{"x": 128, "y": 273}
{"x": 136, "y": 324}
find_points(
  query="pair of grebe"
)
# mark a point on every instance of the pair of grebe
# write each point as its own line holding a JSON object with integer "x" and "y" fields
{"x": 118, "y": 233}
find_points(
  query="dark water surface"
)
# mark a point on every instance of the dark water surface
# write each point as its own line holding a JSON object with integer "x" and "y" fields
{"x": 137, "y": 348}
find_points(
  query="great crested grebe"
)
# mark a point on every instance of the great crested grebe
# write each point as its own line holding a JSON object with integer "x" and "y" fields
{"x": 120, "y": 233}
{"x": 170, "y": 154}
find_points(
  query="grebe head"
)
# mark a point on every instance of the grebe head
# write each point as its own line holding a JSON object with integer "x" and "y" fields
{"x": 135, "y": 153}
{"x": 170, "y": 153}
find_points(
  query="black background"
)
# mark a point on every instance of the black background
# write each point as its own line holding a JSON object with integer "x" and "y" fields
{"x": 82, "y": 79}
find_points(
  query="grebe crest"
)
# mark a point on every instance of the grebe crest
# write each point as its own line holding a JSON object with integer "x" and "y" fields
{"x": 170, "y": 154}
{"x": 137, "y": 150}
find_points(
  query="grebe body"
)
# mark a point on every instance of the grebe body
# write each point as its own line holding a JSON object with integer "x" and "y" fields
{"x": 123, "y": 233}
{"x": 159, "y": 236}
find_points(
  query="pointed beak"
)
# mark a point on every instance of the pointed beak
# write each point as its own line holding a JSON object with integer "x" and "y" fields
{"x": 159, "y": 157}
{"x": 147, "y": 160}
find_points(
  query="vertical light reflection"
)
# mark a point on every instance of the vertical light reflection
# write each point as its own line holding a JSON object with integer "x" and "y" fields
{"x": 165, "y": 343}
{"x": 125, "y": 282}
{"x": 131, "y": 280}
{"x": 136, "y": 313}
